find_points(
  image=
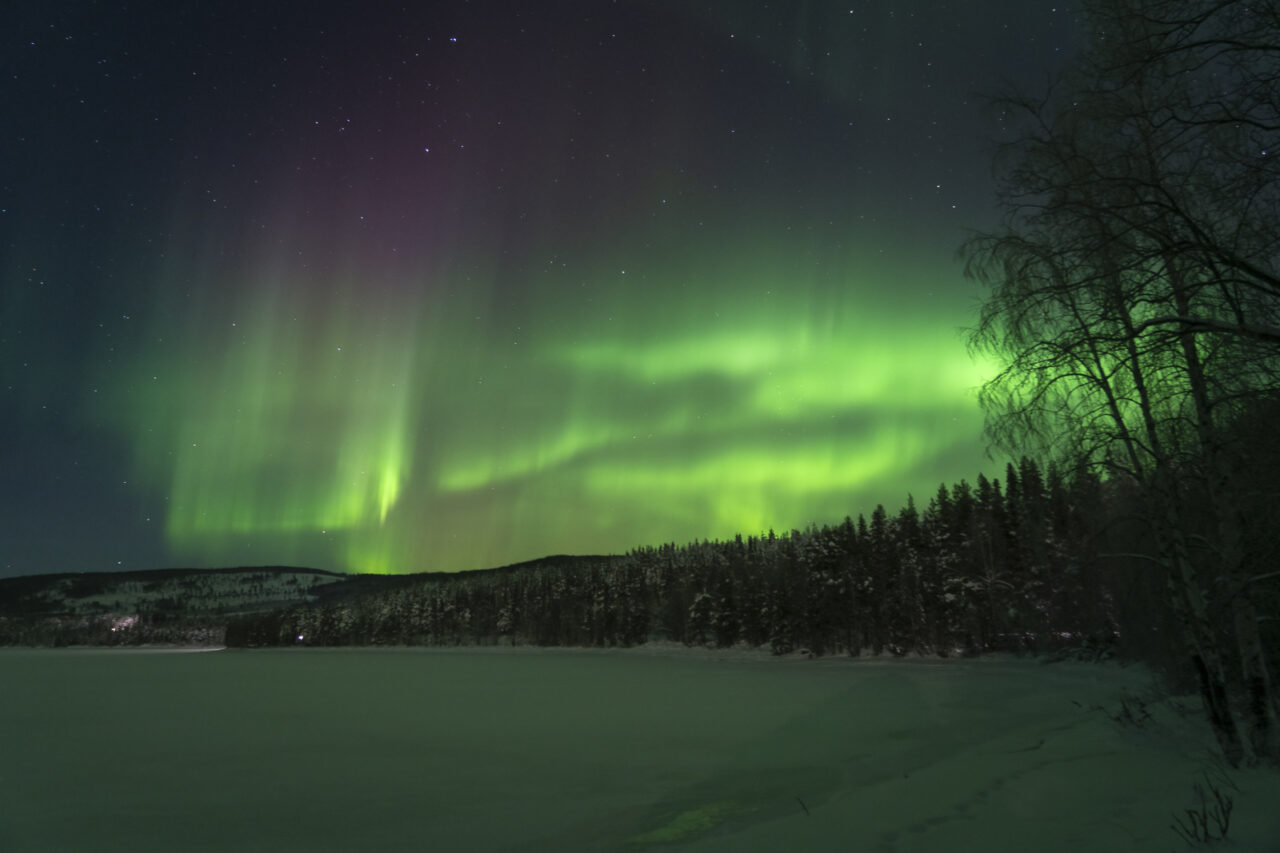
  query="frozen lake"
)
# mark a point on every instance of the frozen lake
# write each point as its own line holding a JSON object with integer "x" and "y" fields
{"x": 562, "y": 750}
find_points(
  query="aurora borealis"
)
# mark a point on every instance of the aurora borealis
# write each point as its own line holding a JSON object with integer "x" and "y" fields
{"x": 468, "y": 284}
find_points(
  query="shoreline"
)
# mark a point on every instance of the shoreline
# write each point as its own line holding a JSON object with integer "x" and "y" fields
{"x": 739, "y": 653}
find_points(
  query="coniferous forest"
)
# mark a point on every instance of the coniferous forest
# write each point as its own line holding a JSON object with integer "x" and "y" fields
{"x": 1013, "y": 564}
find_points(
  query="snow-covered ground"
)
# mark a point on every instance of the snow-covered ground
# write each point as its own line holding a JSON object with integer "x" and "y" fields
{"x": 653, "y": 748}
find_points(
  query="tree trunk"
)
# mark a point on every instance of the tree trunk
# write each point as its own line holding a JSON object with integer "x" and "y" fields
{"x": 1210, "y": 674}
{"x": 1260, "y": 711}
{"x": 1192, "y": 610}
{"x": 1260, "y": 715}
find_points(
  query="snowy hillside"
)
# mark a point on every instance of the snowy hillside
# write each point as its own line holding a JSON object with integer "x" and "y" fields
{"x": 188, "y": 590}
{"x": 166, "y": 605}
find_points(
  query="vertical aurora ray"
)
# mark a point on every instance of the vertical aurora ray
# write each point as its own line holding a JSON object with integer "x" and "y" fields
{"x": 282, "y": 418}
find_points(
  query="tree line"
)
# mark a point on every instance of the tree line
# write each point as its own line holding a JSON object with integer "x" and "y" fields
{"x": 995, "y": 566}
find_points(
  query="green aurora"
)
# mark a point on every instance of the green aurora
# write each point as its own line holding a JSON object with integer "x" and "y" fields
{"x": 362, "y": 423}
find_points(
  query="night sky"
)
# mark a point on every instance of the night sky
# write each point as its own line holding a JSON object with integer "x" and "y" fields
{"x": 455, "y": 285}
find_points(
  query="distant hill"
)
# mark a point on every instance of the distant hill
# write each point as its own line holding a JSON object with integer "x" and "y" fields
{"x": 182, "y": 605}
{"x": 192, "y": 591}
{"x": 160, "y": 606}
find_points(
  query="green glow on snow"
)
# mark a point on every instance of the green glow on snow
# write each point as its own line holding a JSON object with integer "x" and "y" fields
{"x": 690, "y": 822}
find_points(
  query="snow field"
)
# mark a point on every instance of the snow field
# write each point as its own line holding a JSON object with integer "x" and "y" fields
{"x": 646, "y": 749}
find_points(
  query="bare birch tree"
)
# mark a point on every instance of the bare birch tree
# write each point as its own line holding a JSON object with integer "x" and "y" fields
{"x": 1134, "y": 293}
